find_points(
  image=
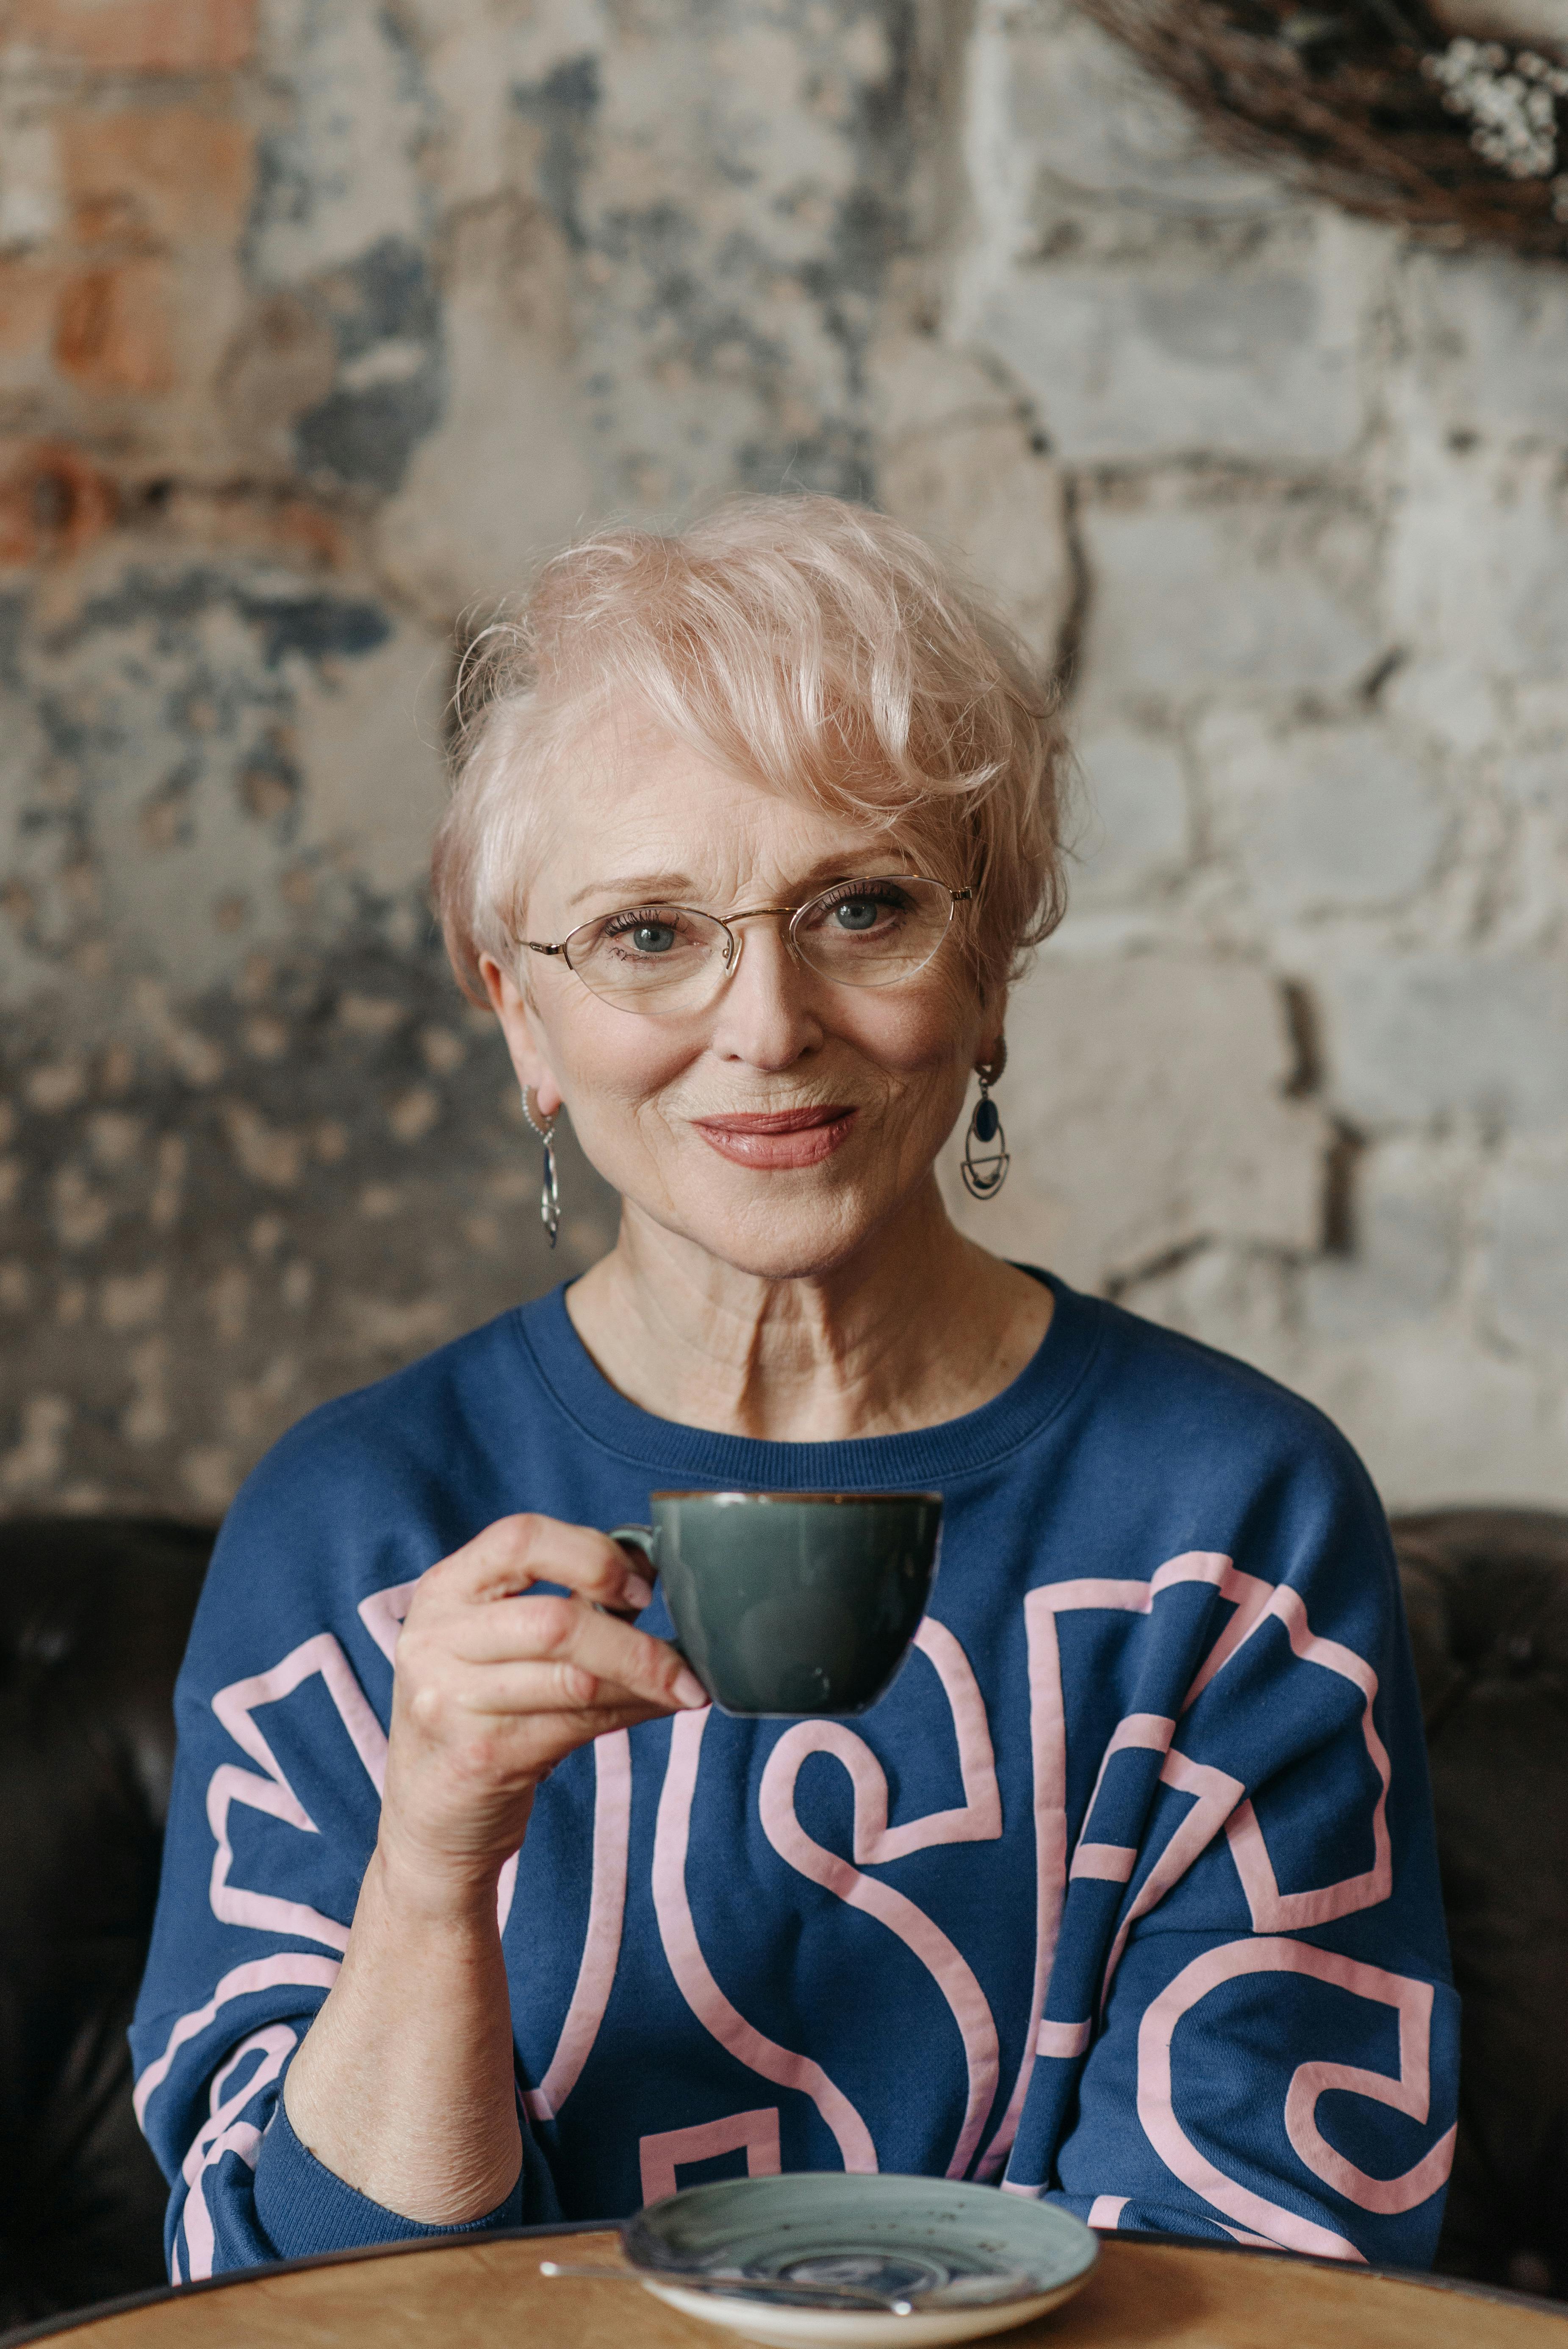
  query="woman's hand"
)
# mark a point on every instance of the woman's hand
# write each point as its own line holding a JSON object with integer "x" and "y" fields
{"x": 404, "y": 2083}
{"x": 494, "y": 1687}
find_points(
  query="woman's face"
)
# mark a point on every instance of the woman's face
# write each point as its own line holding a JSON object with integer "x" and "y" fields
{"x": 667, "y": 1108}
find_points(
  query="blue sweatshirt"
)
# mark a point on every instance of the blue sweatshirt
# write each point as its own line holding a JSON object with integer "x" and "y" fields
{"x": 1125, "y": 1894}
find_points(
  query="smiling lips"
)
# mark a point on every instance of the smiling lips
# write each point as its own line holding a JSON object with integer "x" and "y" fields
{"x": 784, "y": 1137}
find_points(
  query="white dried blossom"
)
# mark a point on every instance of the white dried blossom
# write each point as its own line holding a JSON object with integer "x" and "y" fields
{"x": 1510, "y": 99}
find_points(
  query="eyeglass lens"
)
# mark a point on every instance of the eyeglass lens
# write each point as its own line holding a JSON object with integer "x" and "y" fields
{"x": 870, "y": 933}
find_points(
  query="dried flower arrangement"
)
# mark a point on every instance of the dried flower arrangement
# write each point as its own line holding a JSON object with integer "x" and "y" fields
{"x": 1450, "y": 118}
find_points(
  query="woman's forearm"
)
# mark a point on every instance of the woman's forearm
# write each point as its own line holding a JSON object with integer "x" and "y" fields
{"x": 403, "y": 2085}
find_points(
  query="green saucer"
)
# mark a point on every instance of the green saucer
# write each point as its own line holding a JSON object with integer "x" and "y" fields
{"x": 901, "y": 2237}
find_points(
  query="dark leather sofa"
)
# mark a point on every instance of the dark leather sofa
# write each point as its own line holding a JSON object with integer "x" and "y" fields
{"x": 1487, "y": 1594}
{"x": 93, "y": 1616}
{"x": 93, "y": 1619}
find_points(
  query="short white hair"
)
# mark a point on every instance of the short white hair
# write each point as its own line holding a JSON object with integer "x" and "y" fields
{"x": 813, "y": 645}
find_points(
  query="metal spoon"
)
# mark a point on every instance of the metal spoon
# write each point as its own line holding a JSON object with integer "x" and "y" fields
{"x": 973, "y": 2291}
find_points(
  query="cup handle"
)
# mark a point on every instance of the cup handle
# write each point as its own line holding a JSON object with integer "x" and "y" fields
{"x": 636, "y": 1538}
{"x": 642, "y": 1537}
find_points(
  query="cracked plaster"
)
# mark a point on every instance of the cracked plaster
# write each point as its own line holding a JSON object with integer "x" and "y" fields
{"x": 318, "y": 322}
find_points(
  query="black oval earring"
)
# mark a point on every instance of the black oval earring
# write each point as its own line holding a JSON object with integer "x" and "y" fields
{"x": 984, "y": 1169}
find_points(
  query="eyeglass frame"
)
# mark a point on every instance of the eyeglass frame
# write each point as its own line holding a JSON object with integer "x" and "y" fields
{"x": 957, "y": 898}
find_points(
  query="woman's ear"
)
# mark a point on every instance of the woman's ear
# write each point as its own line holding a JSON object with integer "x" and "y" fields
{"x": 993, "y": 1043}
{"x": 519, "y": 1025}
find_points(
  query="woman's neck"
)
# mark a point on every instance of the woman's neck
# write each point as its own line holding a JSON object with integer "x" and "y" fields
{"x": 920, "y": 1327}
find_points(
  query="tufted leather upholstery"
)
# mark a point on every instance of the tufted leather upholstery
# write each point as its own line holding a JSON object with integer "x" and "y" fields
{"x": 1487, "y": 1595}
{"x": 93, "y": 1620}
{"x": 93, "y": 1617}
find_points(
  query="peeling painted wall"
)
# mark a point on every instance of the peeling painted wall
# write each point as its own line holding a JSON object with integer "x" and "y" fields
{"x": 319, "y": 320}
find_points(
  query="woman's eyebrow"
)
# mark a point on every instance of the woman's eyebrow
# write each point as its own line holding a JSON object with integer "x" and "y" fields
{"x": 680, "y": 888}
{"x": 632, "y": 886}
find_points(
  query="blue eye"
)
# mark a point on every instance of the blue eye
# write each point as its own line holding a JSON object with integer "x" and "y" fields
{"x": 858, "y": 912}
{"x": 643, "y": 937}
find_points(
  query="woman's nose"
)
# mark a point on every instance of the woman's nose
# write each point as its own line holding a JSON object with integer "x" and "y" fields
{"x": 764, "y": 1015}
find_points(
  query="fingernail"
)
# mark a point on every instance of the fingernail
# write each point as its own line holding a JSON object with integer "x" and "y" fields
{"x": 689, "y": 1690}
{"x": 639, "y": 1594}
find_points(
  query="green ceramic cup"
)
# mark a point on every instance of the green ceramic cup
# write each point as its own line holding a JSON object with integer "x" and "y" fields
{"x": 793, "y": 1603}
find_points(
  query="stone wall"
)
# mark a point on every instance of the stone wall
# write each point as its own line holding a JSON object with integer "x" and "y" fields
{"x": 319, "y": 320}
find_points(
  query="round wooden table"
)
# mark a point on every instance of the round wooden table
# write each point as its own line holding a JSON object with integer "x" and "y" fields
{"x": 487, "y": 2294}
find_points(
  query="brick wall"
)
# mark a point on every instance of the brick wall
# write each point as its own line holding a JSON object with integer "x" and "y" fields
{"x": 316, "y": 322}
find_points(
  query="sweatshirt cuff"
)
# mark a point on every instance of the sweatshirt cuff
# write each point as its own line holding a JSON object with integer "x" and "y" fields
{"x": 305, "y": 2209}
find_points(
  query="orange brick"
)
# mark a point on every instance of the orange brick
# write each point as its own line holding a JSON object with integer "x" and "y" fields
{"x": 142, "y": 35}
{"x": 18, "y": 533}
{"x": 53, "y": 501}
{"x": 255, "y": 523}
{"x": 168, "y": 175}
{"x": 113, "y": 329}
{"x": 29, "y": 293}
{"x": 302, "y": 529}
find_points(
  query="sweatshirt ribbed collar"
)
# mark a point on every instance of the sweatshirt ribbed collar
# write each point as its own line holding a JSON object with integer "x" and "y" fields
{"x": 697, "y": 1457}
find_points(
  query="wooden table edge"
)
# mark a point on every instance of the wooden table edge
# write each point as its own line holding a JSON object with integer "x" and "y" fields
{"x": 69, "y": 2320}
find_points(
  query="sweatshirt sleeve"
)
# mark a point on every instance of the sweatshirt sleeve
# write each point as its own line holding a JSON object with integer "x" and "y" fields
{"x": 1251, "y": 2030}
{"x": 281, "y": 1713}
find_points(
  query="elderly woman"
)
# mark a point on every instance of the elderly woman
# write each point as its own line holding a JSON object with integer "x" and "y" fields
{"x": 473, "y": 1911}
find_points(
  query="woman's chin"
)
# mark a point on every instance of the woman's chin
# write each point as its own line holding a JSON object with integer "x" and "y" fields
{"x": 783, "y": 1234}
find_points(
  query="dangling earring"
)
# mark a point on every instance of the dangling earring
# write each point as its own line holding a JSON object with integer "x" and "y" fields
{"x": 985, "y": 1170}
{"x": 549, "y": 1195}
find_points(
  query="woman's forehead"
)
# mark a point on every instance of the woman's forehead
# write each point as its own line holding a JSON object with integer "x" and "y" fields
{"x": 649, "y": 809}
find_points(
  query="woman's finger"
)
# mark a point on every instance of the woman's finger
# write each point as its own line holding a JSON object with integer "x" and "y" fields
{"x": 538, "y": 1696}
{"x": 551, "y": 1626}
{"x": 533, "y": 1624}
{"x": 516, "y": 1552}
{"x": 572, "y": 1631}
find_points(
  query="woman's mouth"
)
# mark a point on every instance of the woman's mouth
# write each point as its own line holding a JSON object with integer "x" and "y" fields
{"x": 782, "y": 1137}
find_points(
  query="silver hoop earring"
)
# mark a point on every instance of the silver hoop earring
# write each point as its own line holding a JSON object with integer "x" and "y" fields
{"x": 549, "y": 1195}
{"x": 984, "y": 1169}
